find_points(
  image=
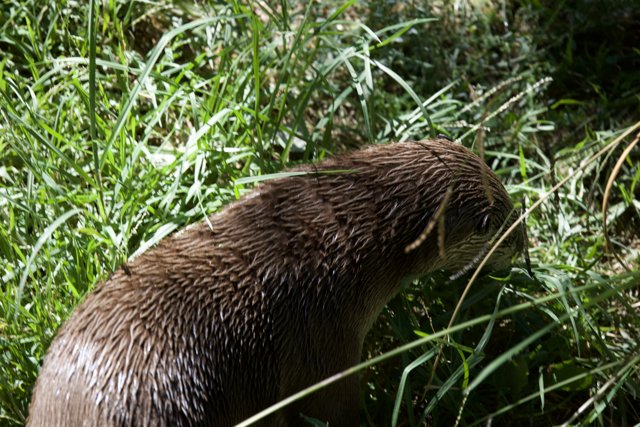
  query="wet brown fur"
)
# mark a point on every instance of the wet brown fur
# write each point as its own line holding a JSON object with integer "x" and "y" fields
{"x": 216, "y": 324}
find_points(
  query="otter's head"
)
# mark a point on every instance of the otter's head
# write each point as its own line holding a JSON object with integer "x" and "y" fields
{"x": 468, "y": 211}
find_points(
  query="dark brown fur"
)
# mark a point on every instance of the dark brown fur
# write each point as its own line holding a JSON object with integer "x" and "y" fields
{"x": 218, "y": 323}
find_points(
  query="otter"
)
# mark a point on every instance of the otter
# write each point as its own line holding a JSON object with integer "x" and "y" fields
{"x": 274, "y": 293}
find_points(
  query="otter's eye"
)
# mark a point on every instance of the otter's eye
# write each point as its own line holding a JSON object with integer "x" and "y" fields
{"x": 483, "y": 224}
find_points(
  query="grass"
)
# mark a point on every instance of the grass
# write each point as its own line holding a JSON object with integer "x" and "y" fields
{"x": 121, "y": 122}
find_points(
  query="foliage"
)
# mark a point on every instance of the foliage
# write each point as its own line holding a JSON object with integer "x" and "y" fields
{"x": 124, "y": 121}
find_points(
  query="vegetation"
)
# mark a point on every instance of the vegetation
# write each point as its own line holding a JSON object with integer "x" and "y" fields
{"x": 121, "y": 122}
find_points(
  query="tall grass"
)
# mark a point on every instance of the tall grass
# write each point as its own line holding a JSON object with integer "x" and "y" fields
{"x": 124, "y": 121}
